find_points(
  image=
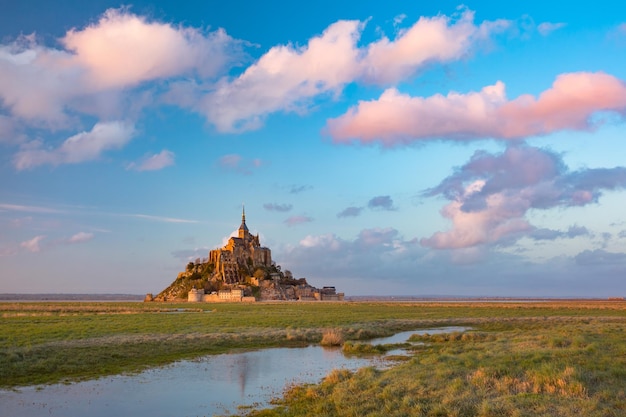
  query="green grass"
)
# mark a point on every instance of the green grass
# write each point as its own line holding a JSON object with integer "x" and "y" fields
{"x": 539, "y": 367}
{"x": 520, "y": 359}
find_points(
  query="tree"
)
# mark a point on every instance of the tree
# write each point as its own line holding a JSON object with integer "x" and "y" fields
{"x": 260, "y": 274}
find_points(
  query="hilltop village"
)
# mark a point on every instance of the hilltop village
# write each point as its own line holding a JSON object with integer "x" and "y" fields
{"x": 241, "y": 271}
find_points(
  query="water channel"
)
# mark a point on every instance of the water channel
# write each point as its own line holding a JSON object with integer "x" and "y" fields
{"x": 211, "y": 385}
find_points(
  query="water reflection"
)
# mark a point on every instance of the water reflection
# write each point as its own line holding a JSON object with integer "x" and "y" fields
{"x": 208, "y": 386}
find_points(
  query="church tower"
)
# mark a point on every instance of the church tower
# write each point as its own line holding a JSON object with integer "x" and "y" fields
{"x": 243, "y": 229}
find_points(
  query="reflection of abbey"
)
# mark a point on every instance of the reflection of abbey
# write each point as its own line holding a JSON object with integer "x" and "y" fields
{"x": 240, "y": 251}
{"x": 242, "y": 270}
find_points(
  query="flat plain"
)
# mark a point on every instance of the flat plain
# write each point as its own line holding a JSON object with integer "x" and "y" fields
{"x": 544, "y": 358}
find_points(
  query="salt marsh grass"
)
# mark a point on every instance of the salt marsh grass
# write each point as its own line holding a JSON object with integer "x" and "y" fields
{"x": 332, "y": 337}
{"x": 518, "y": 359}
{"x": 511, "y": 367}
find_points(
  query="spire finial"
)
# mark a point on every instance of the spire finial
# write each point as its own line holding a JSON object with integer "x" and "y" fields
{"x": 243, "y": 213}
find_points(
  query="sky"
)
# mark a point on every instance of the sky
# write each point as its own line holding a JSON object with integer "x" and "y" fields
{"x": 386, "y": 148}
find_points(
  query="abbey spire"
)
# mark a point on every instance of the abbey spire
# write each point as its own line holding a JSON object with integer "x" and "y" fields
{"x": 243, "y": 229}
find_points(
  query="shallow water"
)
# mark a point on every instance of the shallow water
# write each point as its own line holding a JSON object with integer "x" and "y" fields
{"x": 212, "y": 385}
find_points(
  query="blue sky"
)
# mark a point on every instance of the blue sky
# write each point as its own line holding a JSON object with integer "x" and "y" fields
{"x": 393, "y": 149}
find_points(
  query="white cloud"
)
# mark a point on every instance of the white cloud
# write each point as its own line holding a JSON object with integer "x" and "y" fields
{"x": 29, "y": 209}
{"x": 161, "y": 218}
{"x": 81, "y": 237}
{"x": 547, "y": 28}
{"x": 154, "y": 162}
{"x": 84, "y": 146}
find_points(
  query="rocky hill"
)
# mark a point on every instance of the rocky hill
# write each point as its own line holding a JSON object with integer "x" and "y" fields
{"x": 264, "y": 284}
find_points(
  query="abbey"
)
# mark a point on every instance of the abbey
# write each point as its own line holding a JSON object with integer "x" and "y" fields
{"x": 240, "y": 254}
{"x": 242, "y": 270}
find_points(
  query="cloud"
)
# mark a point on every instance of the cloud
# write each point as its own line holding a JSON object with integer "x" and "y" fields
{"x": 397, "y": 118}
{"x": 288, "y": 78}
{"x": 547, "y": 28}
{"x": 82, "y": 147}
{"x": 190, "y": 255}
{"x": 296, "y": 220}
{"x": 297, "y": 189}
{"x": 111, "y": 56}
{"x": 549, "y": 234}
{"x": 29, "y": 209}
{"x": 123, "y": 49}
{"x": 491, "y": 194}
{"x": 600, "y": 257}
{"x": 32, "y": 245}
{"x": 383, "y": 202}
{"x": 160, "y": 218}
{"x": 80, "y": 237}
{"x": 396, "y": 266}
{"x": 277, "y": 207}
{"x": 375, "y": 254}
{"x": 429, "y": 40}
{"x": 237, "y": 163}
{"x": 7, "y": 251}
{"x": 154, "y": 162}
{"x": 350, "y": 212}
{"x": 285, "y": 76}
{"x": 9, "y": 131}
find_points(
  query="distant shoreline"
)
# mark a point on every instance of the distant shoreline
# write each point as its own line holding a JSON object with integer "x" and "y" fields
{"x": 404, "y": 298}
{"x": 71, "y": 297}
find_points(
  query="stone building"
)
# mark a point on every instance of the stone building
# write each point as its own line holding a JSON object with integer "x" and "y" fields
{"x": 240, "y": 255}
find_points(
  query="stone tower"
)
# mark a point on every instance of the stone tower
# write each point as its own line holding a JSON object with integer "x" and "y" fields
{"x": 240, "y": 256}
{"x": 244, "y": 233}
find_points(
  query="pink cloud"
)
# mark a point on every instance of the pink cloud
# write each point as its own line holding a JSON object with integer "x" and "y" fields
{"x": 501, "y": 217}
{"x": 492, "y": 193}
{"x": 101, "y": 64}
{"x": 397, "y": 118}
{"x": 154, "y": 162}
{"x": 436, "y": 39}
{"x": 123, "y": 49}
{"x": 84, "y": 146}
{"x": 284, "y": 76}
{"x": 288, "y": 78}
{"x": 32, "y": 245}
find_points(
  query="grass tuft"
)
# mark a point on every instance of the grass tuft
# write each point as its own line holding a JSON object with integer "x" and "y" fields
{"x": 332, "y": 338}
